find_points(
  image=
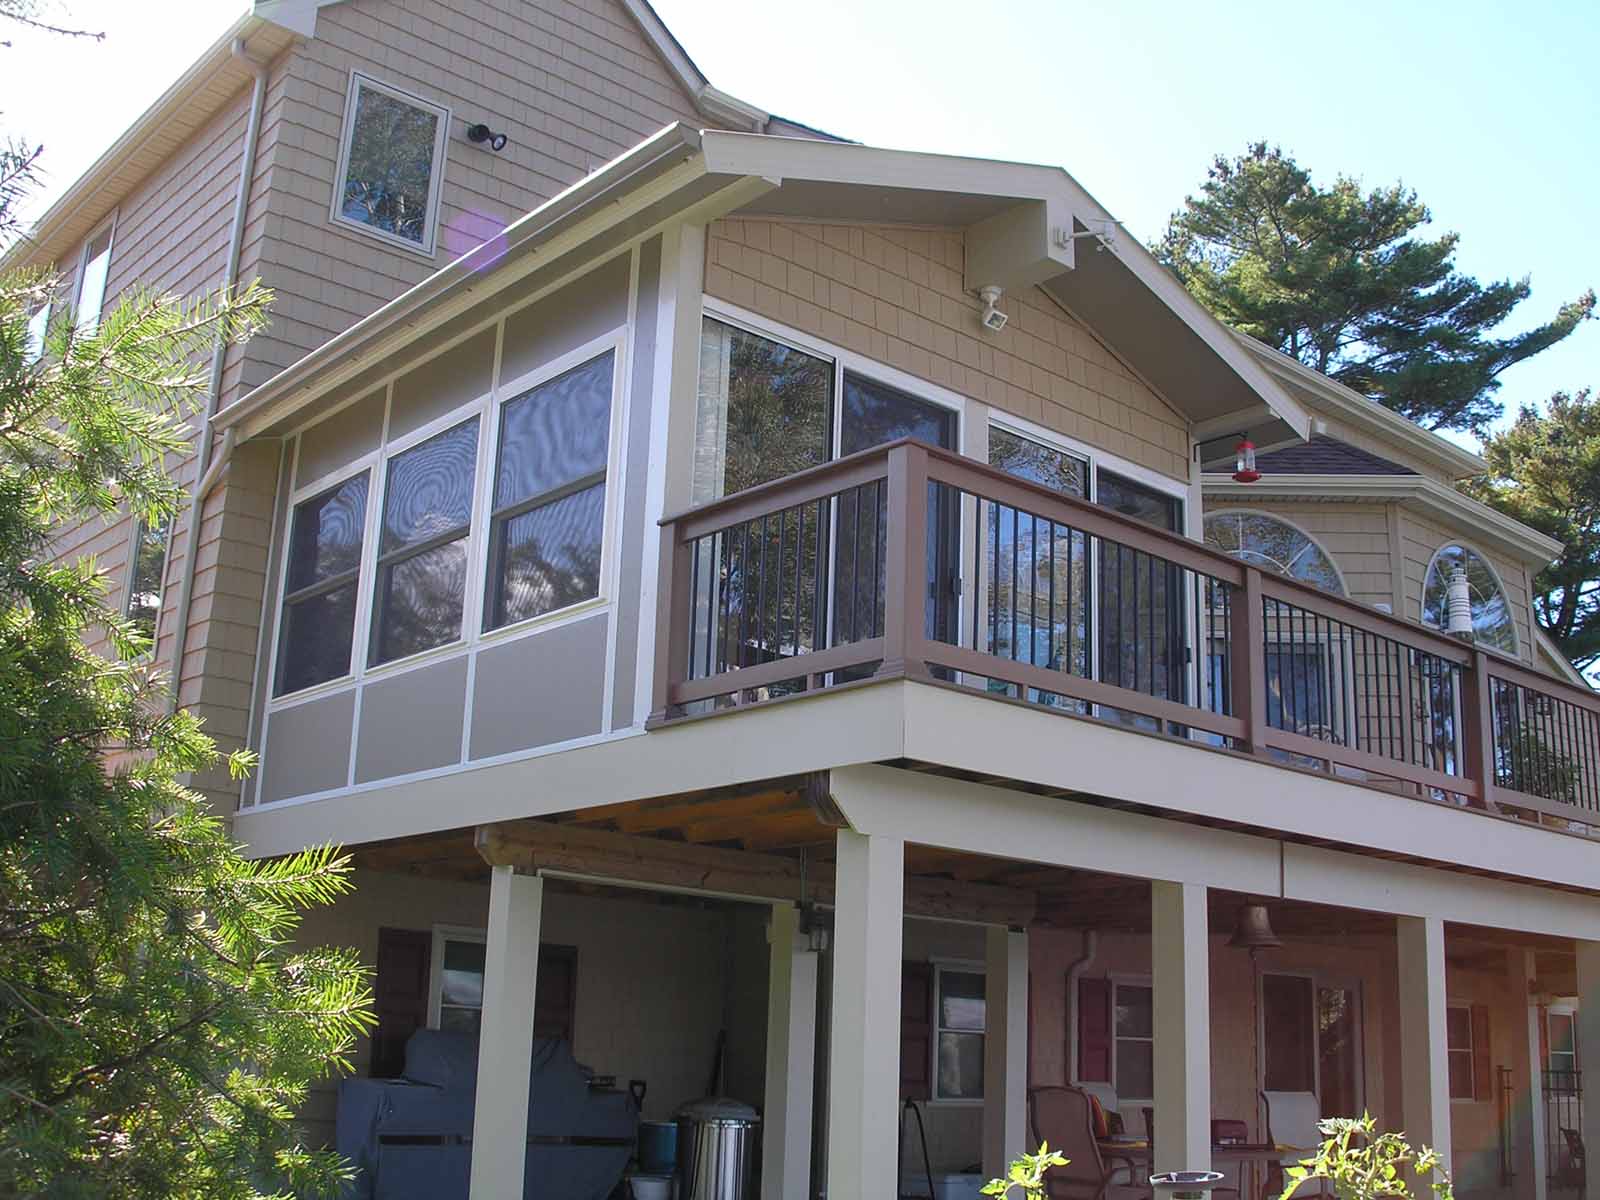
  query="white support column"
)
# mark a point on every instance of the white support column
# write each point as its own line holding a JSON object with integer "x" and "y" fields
{"x": 1005, "y": 1049}
{"x": 1424, "y": 1056}
{"x": 1180, "y": 960}
{"x": 1588, "y": 1030}
{"x": 505, "y": 1044}
{"x": 791, "y": 1046}
{"x": 864, "y": 1051}
{"x": 1531, "y": 1162}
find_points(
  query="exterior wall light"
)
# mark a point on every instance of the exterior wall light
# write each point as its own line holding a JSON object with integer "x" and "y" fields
{"x": 480, "y": 134}
{"x": 1244, "y": 468}
{"x": 993, "y": 319}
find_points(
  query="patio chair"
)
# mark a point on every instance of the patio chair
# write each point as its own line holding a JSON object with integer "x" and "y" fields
{"x": 1291, "y": 1120}
{"x": 1060, "y": 1116}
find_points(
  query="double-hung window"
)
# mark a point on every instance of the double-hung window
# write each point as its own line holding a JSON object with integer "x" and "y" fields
{"x": 319, "y": 604}
{"x": 1466, "y": 1030}
{"x": 960, "y": 1016}
{"x": 549, "y": 500}
{"x": 92, "y": 277}
{"x": 146, "y": 566}
{"x": 422, "y": 552}
{"x": 391, "y": 161}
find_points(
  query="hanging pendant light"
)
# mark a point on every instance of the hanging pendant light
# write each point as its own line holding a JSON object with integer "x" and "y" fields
{"x": 1252, "y": 930}
{"x": 1244, "y": 468}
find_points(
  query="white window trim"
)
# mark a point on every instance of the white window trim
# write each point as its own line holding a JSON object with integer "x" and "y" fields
{"x": 1470, "y": 1050}
{"x": 435, "y": 177}
{"x": 109, "y": 228}
{"x": 441, "y": 935}
{"x": 487, "y": 408}
{"x": 136, "y": 528}
{"x": 38, "y": 332}
{"x": 1494, "y": 573}
{"x": 1338, "y": 572}
{"x": 1122, "y": 981}
{"x": 956, "y": 966}
{"x": 1570, "y": 1011}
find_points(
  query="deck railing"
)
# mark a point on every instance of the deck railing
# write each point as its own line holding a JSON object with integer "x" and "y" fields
{"x": 910, "y": 561}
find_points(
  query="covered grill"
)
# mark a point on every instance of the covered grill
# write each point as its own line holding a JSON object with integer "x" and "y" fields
{"x": 412, "y": 1137}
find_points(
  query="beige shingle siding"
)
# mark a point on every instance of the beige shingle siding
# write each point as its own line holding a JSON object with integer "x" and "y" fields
{"x": 1356, "y": 537}
{"x": 572, "y": 82}
{"x": 894, "y": 294}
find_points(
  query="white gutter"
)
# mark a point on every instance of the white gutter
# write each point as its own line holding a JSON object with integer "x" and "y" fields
{"x": 1511, "y": 537}
{"x": 207, "y": 472}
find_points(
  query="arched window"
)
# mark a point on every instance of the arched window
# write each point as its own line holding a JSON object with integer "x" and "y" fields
{"x": 1273, "y": 545}
{"x": 1491, "y": 610}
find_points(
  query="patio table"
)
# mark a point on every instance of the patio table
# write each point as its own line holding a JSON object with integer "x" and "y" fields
{"x": 1135, "y": 1152}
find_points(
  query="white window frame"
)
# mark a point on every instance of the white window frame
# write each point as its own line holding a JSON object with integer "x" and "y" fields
{"x": 1117, "y": 983}
{"x": 1569, "y": 1012}
{"x": 441, "y": 935}
{"x": 487, "y": 408}
{"x": 108, "y": 227}
{"x": 953, "y": 966}
{"x": 358, "y": 81}
{"x": 137, "y": 528}
{"x": 1338, "y": 572}
{"x": 1319, "y": 980}
{"x": 38, "y": 330}
{"x": 1470, "y": 1050}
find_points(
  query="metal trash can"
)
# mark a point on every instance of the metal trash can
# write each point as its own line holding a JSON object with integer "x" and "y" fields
{"x": 716, "y": 1150}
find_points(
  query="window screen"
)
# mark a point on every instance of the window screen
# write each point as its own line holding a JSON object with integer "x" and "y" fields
{"x": 422, "y": 553}
{"x": 549, "y": 495}
{"x": 319, "y": 605}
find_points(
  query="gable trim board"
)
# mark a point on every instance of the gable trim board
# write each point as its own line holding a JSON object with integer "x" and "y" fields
{"x": 1501, "y": 532}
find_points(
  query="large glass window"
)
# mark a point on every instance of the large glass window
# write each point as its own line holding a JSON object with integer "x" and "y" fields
{"x": 422, "y": 551}
{"x": 1141, "y": 598}
{"x": 1273, "y": 545}
{"x": 764, "y": 410}
{"x": 390, "y": 163}
{"x": 146, "y": 566}
{"x": 92, "y": 282}
{"x": 1287, "y": 1013}
{"x": 960, "y": 1013}
{"x": 549, "y": 495}
{"x": 1134, "y": 1029}
{"x": 1492, "y": 623}
{"x": 319, "y": 604}
{"x": 1458, "y": 1036}
{"x": 1562, "y": 1032}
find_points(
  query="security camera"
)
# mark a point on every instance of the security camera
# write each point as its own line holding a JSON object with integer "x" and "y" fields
{"x": 993, "y": 319}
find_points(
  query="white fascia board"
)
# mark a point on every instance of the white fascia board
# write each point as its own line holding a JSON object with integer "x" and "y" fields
{"x": 1559, "y": 660}
{"x": 297, "y": 16}
{"x": 1512, "y": 537}
{"x": 1369, "y": 414}
{"x": 712, "y": 102}
{"x": 869, "y": 166}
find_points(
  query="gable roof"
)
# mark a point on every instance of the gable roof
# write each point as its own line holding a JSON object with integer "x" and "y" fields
{"x": 262, "y": 31}
{"x": 1324, "y": 455}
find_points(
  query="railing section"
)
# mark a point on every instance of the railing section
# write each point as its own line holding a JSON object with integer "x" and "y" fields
{"x": 910, "y": 561}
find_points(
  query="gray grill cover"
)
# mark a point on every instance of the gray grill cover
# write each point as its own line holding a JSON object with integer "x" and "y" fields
{"x": 411, "y": 1137}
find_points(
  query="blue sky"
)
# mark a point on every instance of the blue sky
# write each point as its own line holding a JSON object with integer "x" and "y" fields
{"x": 1489, "y": 110}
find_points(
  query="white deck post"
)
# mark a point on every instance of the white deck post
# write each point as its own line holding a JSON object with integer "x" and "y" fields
{"x": 1005, "y": 1049}
{"x": 1587, "y": 1021}
{"x": 1532, "y": 1167}
{"x": 864, "y": 1053}
{"x": 1180, "y": 960}
{"x": 791, "y": 1045}
{"x": 505, "y": 1045}
{"x": 1424, "y": 1056}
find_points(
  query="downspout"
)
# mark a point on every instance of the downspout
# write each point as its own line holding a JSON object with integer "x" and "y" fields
{"x": 207, "y": 471}
{"x": 1091, "y": 944}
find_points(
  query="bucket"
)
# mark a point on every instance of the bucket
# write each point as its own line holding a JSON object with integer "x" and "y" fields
{"x": 658, "y": 1147}
{"x": 716, "y": 1150}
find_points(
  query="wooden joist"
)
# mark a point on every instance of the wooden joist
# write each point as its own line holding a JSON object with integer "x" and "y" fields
{"x": 602, "y": 855}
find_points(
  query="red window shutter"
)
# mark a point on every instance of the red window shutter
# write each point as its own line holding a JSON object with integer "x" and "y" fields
{"x": 1480, "y": 1053}
{"x": 1094, "y": 1030}
{"x": 916, "y": 1031}
{"x": 400, "y": 997}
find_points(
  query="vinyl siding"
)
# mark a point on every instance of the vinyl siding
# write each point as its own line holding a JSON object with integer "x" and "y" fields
{"x": 895, "y": 295}
{"x": 573, "y": 83}
{"x": 1356, "y": 537}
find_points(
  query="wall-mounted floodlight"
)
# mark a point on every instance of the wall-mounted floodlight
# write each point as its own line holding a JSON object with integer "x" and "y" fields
{"x": 480, "y": 134}
{"x": 993, "y": 319}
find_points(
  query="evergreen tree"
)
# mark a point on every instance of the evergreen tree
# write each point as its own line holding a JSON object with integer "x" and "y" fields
{"x": 1545, "y": 471}
{"x": 157, "y": 1030}
{"x": 1337, "y": 278}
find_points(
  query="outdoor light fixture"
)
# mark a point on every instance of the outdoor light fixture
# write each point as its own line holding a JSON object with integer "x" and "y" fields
{"x": 480, "y": 134}
{"x": 993, "y": 319}
{"x": 1244, "y": 467}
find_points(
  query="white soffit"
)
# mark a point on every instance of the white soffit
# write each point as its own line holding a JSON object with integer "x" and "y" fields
{"x": 298, "y": 16}
{"x": 1120, "y": 292}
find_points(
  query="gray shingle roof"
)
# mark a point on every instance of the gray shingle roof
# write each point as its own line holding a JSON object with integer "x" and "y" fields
{"x": 1324, "y": 455}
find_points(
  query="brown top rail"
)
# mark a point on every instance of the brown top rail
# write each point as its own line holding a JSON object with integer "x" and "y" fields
{"x": 906, "y": 467}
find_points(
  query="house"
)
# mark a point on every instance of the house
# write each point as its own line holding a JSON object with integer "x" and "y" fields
{"x": 757, "y": 607}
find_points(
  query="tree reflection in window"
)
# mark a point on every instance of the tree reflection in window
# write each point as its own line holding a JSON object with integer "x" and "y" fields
{"x": 1273, "y": 545}
{"x": 1492, "y": 624}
